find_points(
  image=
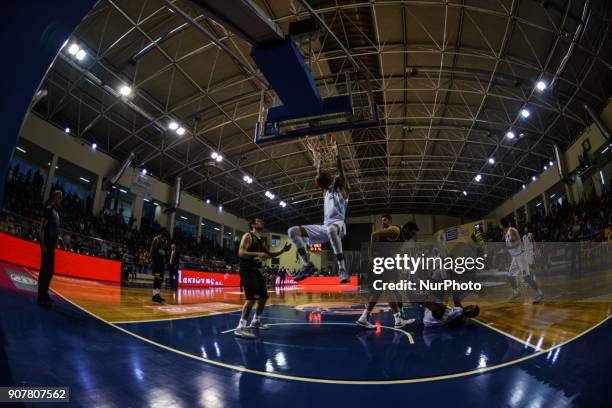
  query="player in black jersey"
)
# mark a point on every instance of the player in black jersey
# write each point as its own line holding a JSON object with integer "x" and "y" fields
{"x": 253, "y": 250}
{"x": 159, "y": 259}
{"x": 389, "y": 233}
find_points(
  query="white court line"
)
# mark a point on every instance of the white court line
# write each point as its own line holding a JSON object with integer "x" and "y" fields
{"x": 329, "y": 381}
{"x": 170, "y": 318}
{"x": 165, "y": 319}
{"x": 506, "y": 334}
{"x": 408, "y": 334}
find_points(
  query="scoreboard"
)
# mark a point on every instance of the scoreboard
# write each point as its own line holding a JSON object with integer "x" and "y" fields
{"x": 316, "y": 247}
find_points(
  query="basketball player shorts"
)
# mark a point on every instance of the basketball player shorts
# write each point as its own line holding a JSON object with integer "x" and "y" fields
{"x": 518, "y": 266}
{"x": 158, "y": 271}
{"x": 318, "y": 233}
{"x": 254, "y": 284}
{"x": 530, "y": 257}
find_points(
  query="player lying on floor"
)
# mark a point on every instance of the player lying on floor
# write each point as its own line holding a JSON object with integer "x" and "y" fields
{"x": 335, "y": 194}
{"x": 436, "y": 311}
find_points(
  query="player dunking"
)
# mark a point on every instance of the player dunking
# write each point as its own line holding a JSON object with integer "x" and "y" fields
{"x": 519, "y": 262}
{"x": 251, "y": 252}
{"x": 389, "y": 233}
{"x": 335, "y": 193}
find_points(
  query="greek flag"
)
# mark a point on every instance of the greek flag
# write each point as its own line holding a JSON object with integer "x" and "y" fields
{"x": 451, "y": 234}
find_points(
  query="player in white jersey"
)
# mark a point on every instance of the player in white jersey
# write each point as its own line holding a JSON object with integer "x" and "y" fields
{"x": 335, "y": 194}
{"x": 529, "y": 245}
{"x": 519, "y": 262}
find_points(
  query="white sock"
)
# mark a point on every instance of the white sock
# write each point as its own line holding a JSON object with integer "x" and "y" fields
{"x": 242, "y": 324}
{"x": 341, "y": 265}
{"x": 255, "y": 319}
{"x": 155, "y": 292}
{"x": 398, "y": 316}
{"x": 365, "y": 315}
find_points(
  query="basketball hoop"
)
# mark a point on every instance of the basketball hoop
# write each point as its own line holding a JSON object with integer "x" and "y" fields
{"x": 323, "y": 149}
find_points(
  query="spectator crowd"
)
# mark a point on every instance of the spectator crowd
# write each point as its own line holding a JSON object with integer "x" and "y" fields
{"x": 107, "y": 234}
{"x": 585, "y": 221}
{"x": 110, "y": 235}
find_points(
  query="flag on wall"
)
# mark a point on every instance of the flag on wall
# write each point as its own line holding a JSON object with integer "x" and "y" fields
{"x": 451, "y": 234}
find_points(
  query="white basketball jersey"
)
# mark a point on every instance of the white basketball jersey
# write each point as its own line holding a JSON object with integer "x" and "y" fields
{"x": 334, "y": 209}
{"x": 528, "y": 242}
{"x": 516, "y": 251}
{"x": 410, "y": 248}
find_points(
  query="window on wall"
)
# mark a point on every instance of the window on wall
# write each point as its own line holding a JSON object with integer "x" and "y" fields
{"x": 228, "y": 238}
{"x": 29, "y": 165}
{"x": 186, "y": 223}
{"x": 556, "y": 196}
{"x": 237, "y": 237}
{"x": 119, "y": 200}
{"x": 555, "y": 199}
{"x": 74, "y": 180}
{"x": 211, "y": 231}
{"x": 535, "y": 207}
{"x": 148, "y": 211}
{"x": 28, "y": 172}
{"x": 72, "y": 188}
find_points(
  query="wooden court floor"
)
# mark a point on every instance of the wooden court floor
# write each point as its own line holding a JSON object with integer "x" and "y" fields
{"x": 541, "y": 325}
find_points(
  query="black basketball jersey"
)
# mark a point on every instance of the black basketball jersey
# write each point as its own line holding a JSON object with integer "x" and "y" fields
{"x": 399, "y": 238}
{"x": 256, "y": 246}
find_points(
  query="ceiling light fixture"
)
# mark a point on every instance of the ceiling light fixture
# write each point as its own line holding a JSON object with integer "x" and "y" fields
{"x": 541, "y": 85}
{"x": 73, "y": 49}
{"x": 125, "y": 90}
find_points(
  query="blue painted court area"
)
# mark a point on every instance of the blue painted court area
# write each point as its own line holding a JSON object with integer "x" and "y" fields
{"x": 105, "y": 366}
{"x": 328, "y": 346}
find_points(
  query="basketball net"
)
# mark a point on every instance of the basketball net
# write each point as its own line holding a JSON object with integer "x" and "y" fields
{"x": 323, "y": 149}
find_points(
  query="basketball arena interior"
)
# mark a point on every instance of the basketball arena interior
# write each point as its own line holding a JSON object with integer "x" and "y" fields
{"x": 194, "y": 194}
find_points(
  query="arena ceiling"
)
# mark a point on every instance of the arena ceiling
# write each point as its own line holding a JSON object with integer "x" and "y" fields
{"x": 450, "y": 77}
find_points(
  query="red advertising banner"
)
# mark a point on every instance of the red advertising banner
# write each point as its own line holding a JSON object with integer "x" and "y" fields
{"x": 187, "y": 278}
{"x": 26, "y": 253}
{"x": 318, "y": 280}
